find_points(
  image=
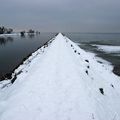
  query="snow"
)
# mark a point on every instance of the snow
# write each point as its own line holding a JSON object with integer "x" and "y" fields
{"x": 108, "y": 48}
{"x": 61, "y": 82}
{"x": 4, "y": 83}
{"x": 9, "y": 35}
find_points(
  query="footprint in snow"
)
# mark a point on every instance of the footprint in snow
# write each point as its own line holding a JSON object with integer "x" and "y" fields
{"x": 75, "y": 51}
{"x": 86, "y": 72}
{"x": 112, "y": 85}
{"x": 87, "y": 61}
{"x": 101, "y": 91}
{"x": 88, "y": 66}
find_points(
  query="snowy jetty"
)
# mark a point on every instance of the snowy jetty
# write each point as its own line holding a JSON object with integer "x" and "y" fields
{"x": 60, "y": 81}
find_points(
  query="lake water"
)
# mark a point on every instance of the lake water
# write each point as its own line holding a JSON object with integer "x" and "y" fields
{"x": 14, "y": 48}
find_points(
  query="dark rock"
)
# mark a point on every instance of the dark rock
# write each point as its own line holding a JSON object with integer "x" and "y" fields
{"x": 101, "y": 91}
{"x": 86, "y": 72}
{"x": 13, "y": 80}
{"x": 75, "y": 51}
{"x": 19, "y": 72}
{"x": 99, "y": 62}
{"x": 87, "y": 61}
{"x": 6, "y": 76}
{"x": 116, "y": 70}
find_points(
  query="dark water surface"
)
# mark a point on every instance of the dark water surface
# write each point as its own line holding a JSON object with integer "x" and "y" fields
{"x": 14, "y": 49}
{"x": 98, "y": 38}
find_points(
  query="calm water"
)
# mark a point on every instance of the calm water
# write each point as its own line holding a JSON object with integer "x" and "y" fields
{"x": 14, "y": 49}
{"x": 108, "y": 39}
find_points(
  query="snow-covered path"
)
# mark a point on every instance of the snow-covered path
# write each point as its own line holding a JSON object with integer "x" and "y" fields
{"x": 62, "y": 84}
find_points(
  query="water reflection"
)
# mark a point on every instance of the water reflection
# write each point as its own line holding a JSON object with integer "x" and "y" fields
{"x": 30, "y": 35}
{"x": 22, "y": 36}
{"x": 14, "y": 49}
{"x": 5, "y": 40}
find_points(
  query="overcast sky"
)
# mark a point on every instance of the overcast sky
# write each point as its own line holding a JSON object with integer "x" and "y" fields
{"x": 61, "y": 15}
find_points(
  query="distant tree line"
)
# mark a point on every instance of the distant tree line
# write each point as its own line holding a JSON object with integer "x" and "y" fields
{"x": 30, "y": 32}
{"x": 4, "y": 30}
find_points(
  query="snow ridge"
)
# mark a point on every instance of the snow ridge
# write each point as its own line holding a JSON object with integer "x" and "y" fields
{"x": 63, "y": 82}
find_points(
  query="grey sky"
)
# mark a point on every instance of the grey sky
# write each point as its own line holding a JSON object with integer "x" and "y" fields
{"x": 61, "y": 15}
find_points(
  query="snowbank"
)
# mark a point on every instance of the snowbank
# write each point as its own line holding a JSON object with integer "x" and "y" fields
{"x": 61, "y": 81}
{"x": 108, "y": 48}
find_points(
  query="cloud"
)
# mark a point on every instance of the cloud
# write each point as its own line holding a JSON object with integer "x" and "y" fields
{"x": 62, "y": 15}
